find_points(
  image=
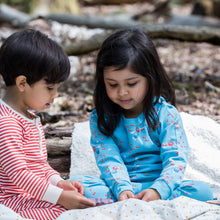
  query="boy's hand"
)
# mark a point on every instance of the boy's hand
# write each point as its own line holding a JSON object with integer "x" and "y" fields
{"x": 148, "y": 195}
{"x": 71, "y": 185}
{"x": 126, "y": 195}
{"x": 74, "y": 200}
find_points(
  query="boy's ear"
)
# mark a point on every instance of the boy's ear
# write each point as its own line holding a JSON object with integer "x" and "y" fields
{"x": 21, "y": 82}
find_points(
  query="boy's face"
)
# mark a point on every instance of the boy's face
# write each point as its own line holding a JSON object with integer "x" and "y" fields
{"x": 40, "y": 95}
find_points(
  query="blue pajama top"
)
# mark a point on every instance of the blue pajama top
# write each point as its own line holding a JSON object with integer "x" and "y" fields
{"x": 135, "y": 153}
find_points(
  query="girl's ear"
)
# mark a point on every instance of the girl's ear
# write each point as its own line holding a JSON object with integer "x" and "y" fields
{"x": 21, "y": 82}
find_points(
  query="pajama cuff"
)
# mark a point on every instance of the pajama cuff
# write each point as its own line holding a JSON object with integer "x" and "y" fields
{"x": 52, "y": 194}
{"x": 162, "y": 188}
{"x": 55, "y": 179}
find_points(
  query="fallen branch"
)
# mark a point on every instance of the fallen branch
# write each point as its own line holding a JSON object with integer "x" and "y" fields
{"x": 178, "y": 32}
{"x": 124, "y": 21}
{"x": 113, "y": 22}
{"x": 58, "y": 132}
{"x": 183, "y": 33}
{"x": 13, "y": 16}
{"x": 58, "y": 146}
{"x": 111, "y": 2}
{"x": 86, "y": 46}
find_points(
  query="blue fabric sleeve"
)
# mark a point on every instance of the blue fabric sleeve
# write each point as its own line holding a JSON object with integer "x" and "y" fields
{"x": 108, "y": 159}
{"x": 174, "y": 151}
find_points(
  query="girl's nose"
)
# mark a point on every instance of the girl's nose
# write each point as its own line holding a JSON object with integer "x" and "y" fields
{"x": 123, "y": 91}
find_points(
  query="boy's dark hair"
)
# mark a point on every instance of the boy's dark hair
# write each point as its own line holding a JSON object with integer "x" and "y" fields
{"x": 32, "y": 54}
{"x": 133, "y": 49}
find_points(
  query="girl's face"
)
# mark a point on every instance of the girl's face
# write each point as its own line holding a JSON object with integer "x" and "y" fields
{"x": 126, "y": 89}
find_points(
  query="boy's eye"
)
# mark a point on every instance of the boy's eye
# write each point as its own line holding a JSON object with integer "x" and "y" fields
{"x": 50, "y": 88}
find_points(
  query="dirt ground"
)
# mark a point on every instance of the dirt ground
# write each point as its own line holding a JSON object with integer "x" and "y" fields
{"x": 193, "y": 67}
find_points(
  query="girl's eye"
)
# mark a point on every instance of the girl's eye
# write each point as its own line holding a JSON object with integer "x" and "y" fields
{"x": 49, "y": 88}
{"x": 113, "y": 85}
{"x": 132, "y": 84}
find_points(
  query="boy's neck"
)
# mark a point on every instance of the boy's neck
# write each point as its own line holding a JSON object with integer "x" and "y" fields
{"x": 12, "y": 99}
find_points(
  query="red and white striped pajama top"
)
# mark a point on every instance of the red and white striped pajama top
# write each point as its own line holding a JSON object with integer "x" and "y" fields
{"x": 27, "y": 182}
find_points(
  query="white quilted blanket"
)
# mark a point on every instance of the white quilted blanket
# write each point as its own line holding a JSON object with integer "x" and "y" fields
{"x": 181, "y": 208}
{"x": 133, "y": 209}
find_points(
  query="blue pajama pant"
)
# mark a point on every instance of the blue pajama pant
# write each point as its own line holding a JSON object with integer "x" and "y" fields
{"x": 97, "y": 188}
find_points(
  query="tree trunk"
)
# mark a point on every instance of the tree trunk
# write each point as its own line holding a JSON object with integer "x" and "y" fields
{"x": 112, "y": 2}
{"x": 13, "y": 16}
{"x": 179, "y": 32}
{"x": 183, "y": 33}
{"x": 58, "y": 146}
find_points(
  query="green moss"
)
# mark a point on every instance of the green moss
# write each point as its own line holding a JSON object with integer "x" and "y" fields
{"x": 23, "y": 5}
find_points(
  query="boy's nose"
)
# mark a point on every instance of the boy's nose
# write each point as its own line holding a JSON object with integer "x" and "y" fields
{"x": 55, "y": 94}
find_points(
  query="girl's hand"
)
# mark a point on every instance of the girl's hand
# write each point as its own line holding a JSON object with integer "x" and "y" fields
{"x": 74, "y": 200}
{"x": 148, "y": 195}
{"x": 71, "y": 185}
{"x": 126, "y": 195}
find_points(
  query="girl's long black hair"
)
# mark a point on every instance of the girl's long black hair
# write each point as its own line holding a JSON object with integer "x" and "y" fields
{"x": 133, "y": 49}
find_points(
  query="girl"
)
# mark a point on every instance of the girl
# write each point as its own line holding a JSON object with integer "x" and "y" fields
{"x": 137, "y": 134}
{"x": 32, "y": 66}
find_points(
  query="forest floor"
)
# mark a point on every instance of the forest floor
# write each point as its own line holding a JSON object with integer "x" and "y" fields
{"x": 193, "y": 67}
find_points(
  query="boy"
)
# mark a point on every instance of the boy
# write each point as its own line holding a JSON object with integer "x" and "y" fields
{"x": 32, "y": 66}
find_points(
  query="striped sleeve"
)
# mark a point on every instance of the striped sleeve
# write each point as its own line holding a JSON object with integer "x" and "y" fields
{"x": 13, "y": 160}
